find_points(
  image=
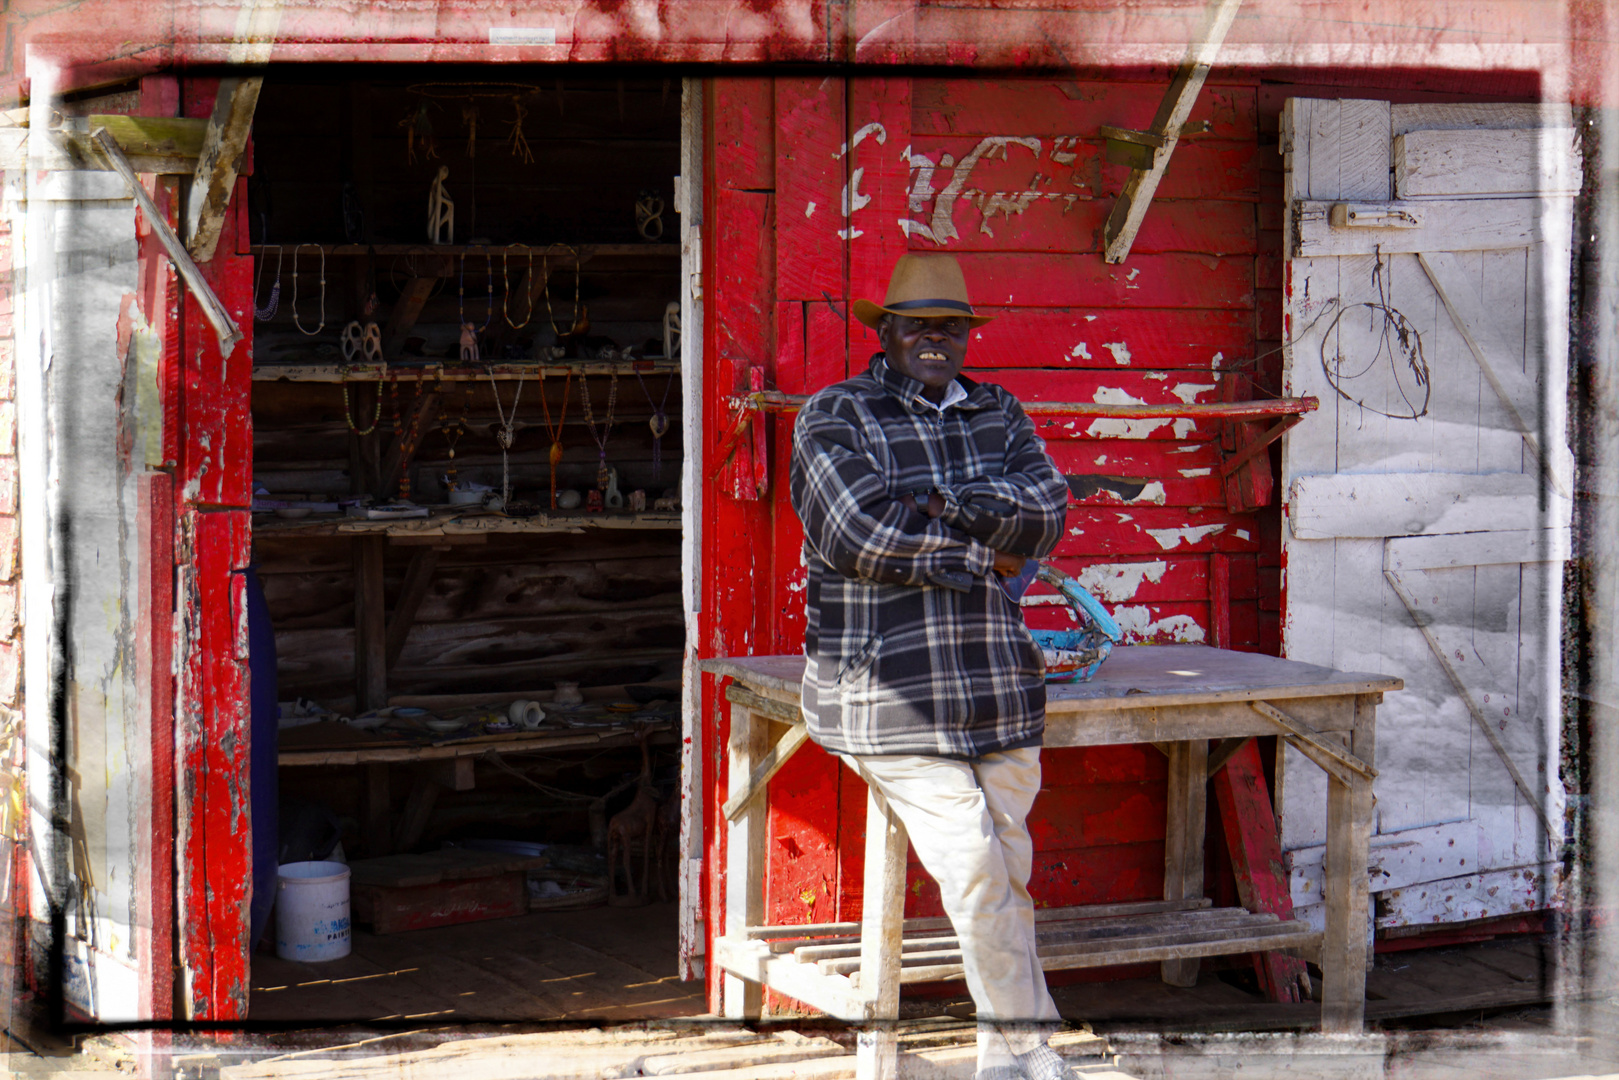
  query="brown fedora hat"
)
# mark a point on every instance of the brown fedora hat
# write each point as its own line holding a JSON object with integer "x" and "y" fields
{"x": 922, "y": 286}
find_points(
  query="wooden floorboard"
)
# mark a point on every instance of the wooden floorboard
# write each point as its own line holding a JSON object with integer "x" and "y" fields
{"x": 610, "y": 963}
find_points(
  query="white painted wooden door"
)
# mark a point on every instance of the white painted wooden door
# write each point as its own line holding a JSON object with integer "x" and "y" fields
{"x": 1426, "y": 502}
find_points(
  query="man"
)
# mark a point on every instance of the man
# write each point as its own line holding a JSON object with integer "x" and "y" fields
{"x": 919, "y": 491}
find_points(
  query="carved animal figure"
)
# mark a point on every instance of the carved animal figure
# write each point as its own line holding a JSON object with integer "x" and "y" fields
{"x": 636, "y": 822}
{"x": 666, "y": 853}
{"x": 440, "y": 209}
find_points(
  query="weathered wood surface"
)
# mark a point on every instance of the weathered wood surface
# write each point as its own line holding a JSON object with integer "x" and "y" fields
{"x": 1454, "y": 501}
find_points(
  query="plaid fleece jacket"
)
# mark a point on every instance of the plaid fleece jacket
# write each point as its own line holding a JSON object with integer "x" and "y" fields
{"x": 913, "y": 647}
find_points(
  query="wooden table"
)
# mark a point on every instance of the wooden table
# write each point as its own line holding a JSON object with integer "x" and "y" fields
{"x": 1176, "y": 697}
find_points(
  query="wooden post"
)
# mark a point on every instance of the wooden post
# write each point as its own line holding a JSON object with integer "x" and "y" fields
{"x": 1344, "y": 952}
{"x": 222, "y": 149}
{"x": 1183, "y": 839}
{"x": 744, "y": 856}
{"x": 370, "y": 625}
{"x": 881, "y": 924}
{"x": 377, "y": 799}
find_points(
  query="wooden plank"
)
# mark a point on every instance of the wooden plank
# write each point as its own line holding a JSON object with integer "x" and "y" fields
{"x": 1062, "y": 108}
{"x": 1256, "y": 861}
{"x": 876, "y": 1047}
{"x": 1501, "y": 365}
{"x": 1041, "y": 915}
{"x": 1437, "y": 225}
{"x": 752, "y": 962}
{"x": 370, "y": 624}
{"x": 1062, "y": 216}
{"x": 218, "y": 162}
{"x": 744, "y": 855}
{"x": 418, "y": 579}
{"x": 1484, "y": 162}
{"x": 1377, "y": 505}
{"x": 780, "y": 753}
{"x": 1468, "y": 116}
{"x": 1165, "y": 948}
{"x": 811, "y": 143}
{"x": 1099, "y": 337}
{"x": 1131, "y": 209}
{"x": 1447, "y": 551}
{"x": 1473, "y": 896}
{"x": 1183, "y": 839}
{"x": 1304, "y": 737}
{"x": 1172, "y": 279}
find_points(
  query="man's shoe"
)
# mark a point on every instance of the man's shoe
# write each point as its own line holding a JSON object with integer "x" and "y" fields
{"x": 1044, "y": 1063}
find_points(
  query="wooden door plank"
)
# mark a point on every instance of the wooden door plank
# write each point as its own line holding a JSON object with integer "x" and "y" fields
{"x": 1450, "y": 163}
{"x": 1500, "y": 363}
{"x": 223, "y": 148}
{"x": 1374, "y": 505}
{"x": 1429, "y": 225}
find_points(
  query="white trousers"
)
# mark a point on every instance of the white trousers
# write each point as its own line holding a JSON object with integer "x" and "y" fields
{"x": 966, "y": 821}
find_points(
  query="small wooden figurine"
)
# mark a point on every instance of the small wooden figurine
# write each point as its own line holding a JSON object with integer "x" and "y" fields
{"x": 637, "y": 822}
{"x": 440, "y": 210}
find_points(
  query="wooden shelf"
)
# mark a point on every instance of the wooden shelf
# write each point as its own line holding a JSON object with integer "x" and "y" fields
{"x": 463, "y": 523}
{"x": 408, "y": 371}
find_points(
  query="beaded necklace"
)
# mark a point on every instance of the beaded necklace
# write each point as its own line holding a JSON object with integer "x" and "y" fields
{"x": 554, "y": 432}
{"x": 606, "y": 428}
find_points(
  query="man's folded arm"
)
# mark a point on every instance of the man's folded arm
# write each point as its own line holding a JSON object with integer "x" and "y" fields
{"x": 852, "y": 522}
{"x": 1021, "y": 511}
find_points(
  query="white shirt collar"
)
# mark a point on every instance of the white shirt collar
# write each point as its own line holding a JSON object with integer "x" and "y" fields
{"x": 953, "y": 394}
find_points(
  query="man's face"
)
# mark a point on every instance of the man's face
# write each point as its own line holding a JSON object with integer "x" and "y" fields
{"x": 930, "y": 350}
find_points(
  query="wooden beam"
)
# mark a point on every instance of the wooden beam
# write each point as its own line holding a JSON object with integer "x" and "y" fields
{"x": 1225, "y": 751}
{"x": 418, "y": 577}
{"x": 1312, "y": 745}
{"x": 405, "y": 313}
{"x": 222, "y": 150}
{"x": 779, "y": 755}
{"x": 370, "y": 657}
{"x": 1131, "y": 209}
{"x": 1256, "y": 861}
{"x": 224, "y": 326}
{"x": 395, "y": 463}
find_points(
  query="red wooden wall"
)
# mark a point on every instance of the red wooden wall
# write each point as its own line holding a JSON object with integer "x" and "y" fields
{"x": 816, "y": 186}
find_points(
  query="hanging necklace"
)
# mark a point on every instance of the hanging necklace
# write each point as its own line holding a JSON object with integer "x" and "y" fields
{"x": 505, "y": 287}
{"x": 348, "y": 414}
{"x": 506, "y": 434}
{"x": 545, "y": 269}
{"x": 295, "y": 322}
{"x": 409, "y": 437}
{"x": 606, "y": 428}
{"x": 555, "y": 431}
{"x": 659, "y": 422}
{"x": 469, "y": 333}
{"x": 273, "y": 304}
{"x": 458, "y": 428}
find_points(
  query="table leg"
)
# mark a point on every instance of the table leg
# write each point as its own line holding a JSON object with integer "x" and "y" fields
{"x": 881, "y": 923}
{"x": 1183, "y": 839}
{"x": 744, "y": 856}
{"x": 1344, "y": 952}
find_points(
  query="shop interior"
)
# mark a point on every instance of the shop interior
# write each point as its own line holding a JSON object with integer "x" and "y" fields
{"x": 467, "y": 531}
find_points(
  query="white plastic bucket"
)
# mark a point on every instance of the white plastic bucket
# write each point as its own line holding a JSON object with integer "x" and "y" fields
{"x": 312, "y": 911}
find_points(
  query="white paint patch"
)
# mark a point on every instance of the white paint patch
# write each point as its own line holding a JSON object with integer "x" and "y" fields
{"x": 1188, "y": 392}
{"x": 1170, "y": 539}
{"x": 1117, "y": 426}
{"x": 1138, "y": 625}
{"x": 1184, "y": 427}
{"x": 1082, "y": 350}
{"x": 1132, "y": 275}
{"x": 1157, "y": 376}
{"x": 1120, "y": 351}
{"x": 1214, "y": 361}
{"x": 1101, "y": 459}
{"x": 1118, "y": 582}
{"x": 1189, "y": 473}
{"x": 1184, "y": 450}
{"x": 1124, "y": 518}
{"x": 1242, "y": 534}
{"x": 1090, "y": 318}
{"x": 1153, "y": 493}
{"x": 810, "y": 209}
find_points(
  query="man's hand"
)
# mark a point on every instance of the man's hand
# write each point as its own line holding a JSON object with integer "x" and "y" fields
{"x": 1009, "y": 565}
{"x": 934, "y": 508}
